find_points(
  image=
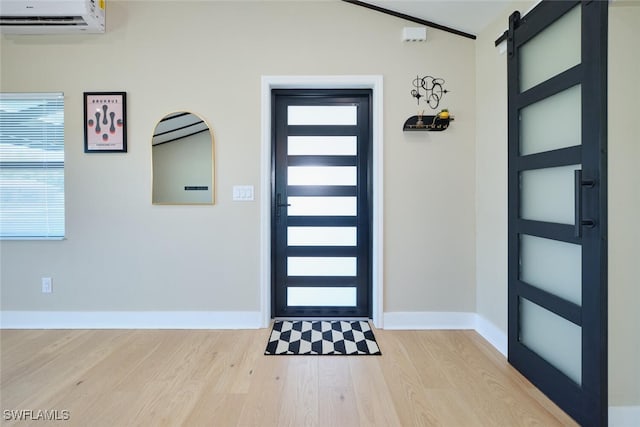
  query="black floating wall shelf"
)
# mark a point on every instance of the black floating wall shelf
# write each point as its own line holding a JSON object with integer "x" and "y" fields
{"x": 426, "y": 123}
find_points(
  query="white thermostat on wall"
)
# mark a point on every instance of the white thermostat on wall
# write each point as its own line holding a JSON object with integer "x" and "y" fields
{"x": 414, "y": 34}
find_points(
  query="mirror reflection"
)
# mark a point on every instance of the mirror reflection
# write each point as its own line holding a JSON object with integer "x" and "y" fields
{"x": 182, "y": 152}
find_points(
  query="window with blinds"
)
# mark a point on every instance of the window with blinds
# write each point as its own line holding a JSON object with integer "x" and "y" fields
{"x": 31, "y": 165}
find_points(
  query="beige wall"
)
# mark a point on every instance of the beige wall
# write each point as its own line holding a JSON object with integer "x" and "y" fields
{"x": 624, "y": 204}
{"x": 624, "y": 196}
{"x": 491, "y": 172}
{"x": 123, "y": 253}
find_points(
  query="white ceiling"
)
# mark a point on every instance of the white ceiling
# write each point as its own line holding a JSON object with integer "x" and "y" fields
{"x": 470, "y": 16}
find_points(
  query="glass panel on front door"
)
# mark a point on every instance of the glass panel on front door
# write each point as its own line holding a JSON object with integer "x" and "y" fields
{"x": 331, "y": 115}
{"x": 322, "y": 206}
{"x": 322, "y": 236}
{"x": 322, "y": 145}
{"x": 321, "y": 296}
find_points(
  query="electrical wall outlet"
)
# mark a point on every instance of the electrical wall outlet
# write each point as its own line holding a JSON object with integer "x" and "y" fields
{"x": 47, "y": 287}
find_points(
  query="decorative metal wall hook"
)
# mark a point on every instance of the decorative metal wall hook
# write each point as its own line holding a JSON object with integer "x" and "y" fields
{"x": 433, "y": 90}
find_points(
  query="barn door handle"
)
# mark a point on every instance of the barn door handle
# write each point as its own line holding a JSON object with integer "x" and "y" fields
{"x": 279, "y": 204}
{"x": 578, "y": 184}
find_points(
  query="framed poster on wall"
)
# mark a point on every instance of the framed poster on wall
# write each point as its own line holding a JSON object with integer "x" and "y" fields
{"x": 105, "y": 122}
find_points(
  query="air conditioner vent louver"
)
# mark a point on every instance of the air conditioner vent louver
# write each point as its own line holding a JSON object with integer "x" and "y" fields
{"x": 42, "y": 20}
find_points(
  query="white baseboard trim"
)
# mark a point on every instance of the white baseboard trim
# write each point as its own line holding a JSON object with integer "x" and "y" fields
{"x": 130, "y": 320}
{"x": 429, "y": 320}
{"x": 624, "y": 416}
{"x": 419, "y": 320}
{"x": 490, "y": 332}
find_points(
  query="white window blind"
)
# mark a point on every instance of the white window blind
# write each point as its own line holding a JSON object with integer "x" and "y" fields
{"x": 31, "y": 165}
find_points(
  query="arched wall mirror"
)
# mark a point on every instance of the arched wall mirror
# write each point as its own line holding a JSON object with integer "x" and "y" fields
{"x": 182, "y": 153}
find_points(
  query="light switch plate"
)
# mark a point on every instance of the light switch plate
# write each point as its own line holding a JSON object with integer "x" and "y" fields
{"x": 242, "y": 193}
{"x": 47, "y": 287}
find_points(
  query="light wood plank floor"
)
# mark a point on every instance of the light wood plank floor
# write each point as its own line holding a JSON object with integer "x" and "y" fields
{"x": 221, "y": 378}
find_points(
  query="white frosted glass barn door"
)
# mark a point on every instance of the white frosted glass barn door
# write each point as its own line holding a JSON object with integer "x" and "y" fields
{"x": 557, "y": 114}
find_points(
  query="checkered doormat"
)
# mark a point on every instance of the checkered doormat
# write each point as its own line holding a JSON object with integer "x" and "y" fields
{"x": 322, "y": 337}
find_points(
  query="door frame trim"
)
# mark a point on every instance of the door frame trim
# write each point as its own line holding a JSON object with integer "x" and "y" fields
{"x": 373, "y": 82}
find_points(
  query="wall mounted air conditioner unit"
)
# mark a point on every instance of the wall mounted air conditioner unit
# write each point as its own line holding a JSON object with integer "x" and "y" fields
{"x": 52, "y": 16}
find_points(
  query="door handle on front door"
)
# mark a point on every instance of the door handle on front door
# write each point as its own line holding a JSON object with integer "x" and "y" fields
{"x": 279, "y": 204}
{"x": 578, "y": 184}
